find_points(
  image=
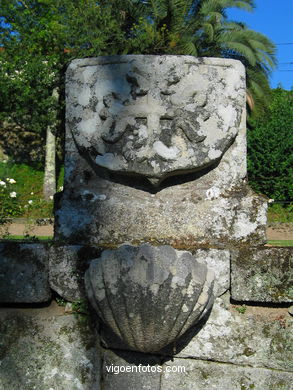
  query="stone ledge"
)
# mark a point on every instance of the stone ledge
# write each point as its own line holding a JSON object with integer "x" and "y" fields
{"x": 44, "y": 349}
{"x": 204, "y": 375}
{"x": 251, "y": 335}
{"x": 262, "y": 274}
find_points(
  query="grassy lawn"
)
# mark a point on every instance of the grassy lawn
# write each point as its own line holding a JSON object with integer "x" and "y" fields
{"x": 281, "y": 242}
{"x": 279, "y": 213}
{"x": 28, "y": 186}
{"x": 13, "y": 237}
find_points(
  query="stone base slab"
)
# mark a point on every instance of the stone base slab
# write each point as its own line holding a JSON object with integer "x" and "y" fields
{"x": 45, "y": 349}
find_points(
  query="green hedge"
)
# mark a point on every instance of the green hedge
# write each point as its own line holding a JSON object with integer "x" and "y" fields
{"x": 270, "y": 146}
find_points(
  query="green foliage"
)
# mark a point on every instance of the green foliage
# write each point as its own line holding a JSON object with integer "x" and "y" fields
{"x": 241, "y": 309}
{"x": 80, "y": 306}
{"x": 60, "y": 301}
{"x": 270, "y": 145}
{"x": 9, "y": 203}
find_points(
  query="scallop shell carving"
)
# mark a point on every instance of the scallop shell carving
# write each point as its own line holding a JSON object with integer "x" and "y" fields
{"x": 149, "y": 296}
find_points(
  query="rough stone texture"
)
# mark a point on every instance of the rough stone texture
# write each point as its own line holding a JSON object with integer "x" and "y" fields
{"x": 24, "y": 273}
{"x": 201, "y": 375}
{"x": 142, "y": 177}
{"x": 154, "y": 115}
{"x": 107, "y": 213}
{"x": 43, "y": 349}
{"x": 219, "y": 262}
{"x": 262, "y": 274}
{"x": 67, "y": 266}
{"x": 250, "y": 336}
{"x": 149, "y": 296}
{"x": 143, "y": 372}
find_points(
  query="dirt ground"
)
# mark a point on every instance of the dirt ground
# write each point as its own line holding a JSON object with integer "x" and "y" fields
{"x": 274, "y": 231}
{"x": 280, "y": 232}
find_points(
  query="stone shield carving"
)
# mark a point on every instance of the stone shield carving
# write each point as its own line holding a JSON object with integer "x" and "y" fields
{"x": 154, "y": 116}
{"x": 149, "y": 296}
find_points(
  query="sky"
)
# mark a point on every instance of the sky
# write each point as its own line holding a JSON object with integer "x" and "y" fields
{"x": 273, "y": 18}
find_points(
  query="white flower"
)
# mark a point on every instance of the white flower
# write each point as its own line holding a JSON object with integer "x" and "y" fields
{"x": 51, "y": 197}
{"x": 2, "y": 183}
{"x": 7, "y": 179}
{"x": 13, "y": 194}
{"x": 32, "y": 193}
{"x": 271, "y": 200}
{"x": 61, "y": 188}
{"x": 30, "y": 201}
{"x": 12, "y": 181}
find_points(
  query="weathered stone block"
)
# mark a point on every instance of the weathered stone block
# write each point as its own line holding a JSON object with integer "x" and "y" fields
{"x": 262, "y": 274}
{"x": 67, "y": 265}
{"x": 250, "y": 336}
{"x": 44, "y": 349}
{"x": 218, "y": 260}
{"x": 204, "y": 375}
{"x": 103, "y": 212}
{"x": 24, "y": 273}
{"x": 149, "y": 296}
{"x": 154, "y": 116}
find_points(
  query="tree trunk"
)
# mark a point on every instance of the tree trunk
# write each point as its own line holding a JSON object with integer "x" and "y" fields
{"x": 49, "y": 186}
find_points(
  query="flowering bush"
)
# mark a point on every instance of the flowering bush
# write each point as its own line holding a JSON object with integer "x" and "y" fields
{"x": 9, "y": 202}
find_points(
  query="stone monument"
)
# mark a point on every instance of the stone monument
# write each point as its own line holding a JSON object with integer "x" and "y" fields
{"x": 158, "y": 229}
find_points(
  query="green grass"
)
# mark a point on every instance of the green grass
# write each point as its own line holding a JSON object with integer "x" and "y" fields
{"x": 27, "y": 238}
{"x": 29, "y": 189}
{"x": 280, "y": 213}
{"x": 281, "y": 242}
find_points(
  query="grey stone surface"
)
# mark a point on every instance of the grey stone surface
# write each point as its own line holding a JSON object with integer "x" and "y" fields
{"x": 244, "y": 335}
{"x": 130, "y": 372}
{"x": 101, "y": 212}
{"x": 154, "y": 115}
{"x": 204, "y": 375}
{"x": 149, "y": 296}
{"x": 67, "y": 264}
{"x": 43, "y": 349}
{"x": 219, "y": 262}
{"x": 24, "y": 273}
{"x": 262, "y": 274}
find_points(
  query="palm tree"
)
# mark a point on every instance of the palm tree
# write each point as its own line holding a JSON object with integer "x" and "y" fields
{"x": 201, "y": 28}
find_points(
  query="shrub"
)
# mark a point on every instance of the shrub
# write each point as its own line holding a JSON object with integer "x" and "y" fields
{"x": 270, "y": 145}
